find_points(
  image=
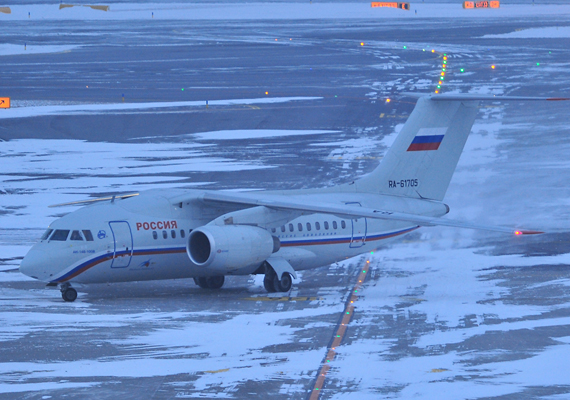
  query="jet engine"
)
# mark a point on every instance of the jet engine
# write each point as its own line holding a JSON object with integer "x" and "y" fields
{"x": 231, "y": 247}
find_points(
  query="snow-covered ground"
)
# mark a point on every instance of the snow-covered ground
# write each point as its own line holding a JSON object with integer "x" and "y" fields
{"x": 273, "y": 11}
{"x": 445, "y": 313}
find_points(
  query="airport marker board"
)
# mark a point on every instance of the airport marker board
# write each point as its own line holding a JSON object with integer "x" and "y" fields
{"x": 481, "y": 4}
{"x": 390, "y": 4}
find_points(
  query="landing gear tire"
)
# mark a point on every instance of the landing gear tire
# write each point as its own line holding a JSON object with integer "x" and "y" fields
{"x": 210, "y": 282}
{"x": 268, "y": 282}
{"x": 283, "y": 285}
{"x": 69, "y": 294}
{"x": 201, "y": 282}
{"x": 215, "y": 282}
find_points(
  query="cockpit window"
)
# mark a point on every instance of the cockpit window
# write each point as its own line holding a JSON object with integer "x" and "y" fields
{"x": 60, "y": 235}
{"x": 75, "y": 235}
{"x": 88, "y": 235}
{"x": 46, "y": 234}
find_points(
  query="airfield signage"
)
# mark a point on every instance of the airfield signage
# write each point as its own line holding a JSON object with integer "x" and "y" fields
{"x": 4, "y": 102}
{"x": 390, "y": 4}
{"x": 481, "y": 4}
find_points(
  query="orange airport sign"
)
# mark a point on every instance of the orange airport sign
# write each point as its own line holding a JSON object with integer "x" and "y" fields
{"x": 481, "y": 4}
{"x": 4, "y": 102}
{"x": 391, "y": 4}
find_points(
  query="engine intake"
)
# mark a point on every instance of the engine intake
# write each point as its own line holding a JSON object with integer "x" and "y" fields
{"x": 231, "y": 247}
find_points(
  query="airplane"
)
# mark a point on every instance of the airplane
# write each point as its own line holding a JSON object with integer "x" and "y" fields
{"x": 207, "y": 235}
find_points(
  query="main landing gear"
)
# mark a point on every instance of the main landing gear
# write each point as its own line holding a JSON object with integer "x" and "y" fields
{"x": 273, "y": 284}
{"x": 210, "y": 282}
{"x": 68, "y": 293}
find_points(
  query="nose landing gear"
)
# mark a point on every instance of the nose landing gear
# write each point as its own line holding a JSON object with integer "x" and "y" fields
{"x": 68, "y": 293}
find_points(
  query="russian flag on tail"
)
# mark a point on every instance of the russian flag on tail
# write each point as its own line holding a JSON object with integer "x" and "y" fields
{"x": 427, "y": 139}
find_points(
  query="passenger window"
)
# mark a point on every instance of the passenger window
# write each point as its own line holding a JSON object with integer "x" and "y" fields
{"x": 300, "y": 226}
{"x": 60, "y": 235}
{"x": 182, "y": 233}
{"x": 273, "y": 230}
{"x": 88, "y": 235}
{"x": 154, "y": 235}
{"x": 343, "y": 224}
{"x": 335, "y": 226}
{"x": 173, "y": 234}
{"x": 46, "y": 234}
{"x": 317, "y": 226}
{"x": 165, "y": 234}
{"x": 75, "y": 235}
{"x": 282, "y": 228}
{"x": 326, "y": 225}
{"x": 290, "y": 227}
{"x": 308, "y": 226}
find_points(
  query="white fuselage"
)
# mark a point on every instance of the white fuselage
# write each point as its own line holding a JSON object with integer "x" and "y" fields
{"x": 146, "y": 238}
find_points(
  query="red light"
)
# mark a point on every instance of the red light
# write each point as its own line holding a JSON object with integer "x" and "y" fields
{"x": 492, "y": 67}
{"x": 518, "y": 233}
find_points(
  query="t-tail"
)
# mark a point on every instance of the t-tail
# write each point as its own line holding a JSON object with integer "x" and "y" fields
{"x": 424, "y": 155}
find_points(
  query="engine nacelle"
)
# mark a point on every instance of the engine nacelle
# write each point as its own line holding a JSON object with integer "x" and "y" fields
{"x": 231, "y": 247}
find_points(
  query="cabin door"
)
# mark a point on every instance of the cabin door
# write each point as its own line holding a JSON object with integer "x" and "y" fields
{"x": 123, "y": 240}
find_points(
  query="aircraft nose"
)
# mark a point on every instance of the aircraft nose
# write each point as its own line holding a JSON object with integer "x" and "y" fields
{"x": 34, "y": 263}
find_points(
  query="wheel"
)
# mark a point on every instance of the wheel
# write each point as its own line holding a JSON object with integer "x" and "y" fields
{"x": 286, "y": 282}
{"x": 69, "y": 294}
{"x": 268, "y": 283}
{"x": 202, "y": 282}
{"x": 215, "y": 282}
{"x": 283, "y": 285}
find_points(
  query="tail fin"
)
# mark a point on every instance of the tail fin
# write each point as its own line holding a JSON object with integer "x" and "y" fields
{"x": 422, "y": 159}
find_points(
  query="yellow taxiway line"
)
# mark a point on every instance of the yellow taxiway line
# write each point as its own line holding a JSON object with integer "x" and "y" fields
{"x": 339, "y": 335}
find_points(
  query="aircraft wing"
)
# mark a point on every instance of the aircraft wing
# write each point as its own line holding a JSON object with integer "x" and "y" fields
{"x": 350, "y": 211}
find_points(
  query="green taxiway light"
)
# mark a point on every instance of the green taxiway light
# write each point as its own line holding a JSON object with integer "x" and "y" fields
{"x": 405, "y": 47}
{"x": 537, "y": 64}
{"x": 461, "y": 70}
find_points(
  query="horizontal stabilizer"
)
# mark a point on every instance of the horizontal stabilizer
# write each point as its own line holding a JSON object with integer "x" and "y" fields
{"x": 478, "y": 97}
